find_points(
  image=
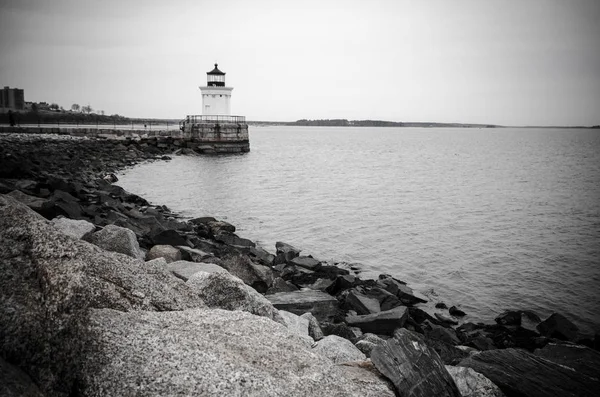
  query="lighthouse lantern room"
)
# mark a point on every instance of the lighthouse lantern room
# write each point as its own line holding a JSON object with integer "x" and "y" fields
{"x": 216, "y": 97}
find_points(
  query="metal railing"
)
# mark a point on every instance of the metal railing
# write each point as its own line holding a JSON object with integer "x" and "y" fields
{"x": 196, "y": 119}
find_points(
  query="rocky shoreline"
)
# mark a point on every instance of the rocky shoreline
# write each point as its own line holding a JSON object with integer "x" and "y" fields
{"x": 106, "y": 294}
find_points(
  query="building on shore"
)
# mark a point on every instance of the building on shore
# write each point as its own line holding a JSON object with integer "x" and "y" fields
{"x": 12, "y": 99}
{"x": 216, "y": 130}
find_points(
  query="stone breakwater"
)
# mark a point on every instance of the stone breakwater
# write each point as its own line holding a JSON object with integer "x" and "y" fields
{"x": 103, "y": 293}
{"x": 205, "y": 138}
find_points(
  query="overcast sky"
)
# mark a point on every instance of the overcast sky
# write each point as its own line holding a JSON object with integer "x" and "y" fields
{"x": 511, "y": 62}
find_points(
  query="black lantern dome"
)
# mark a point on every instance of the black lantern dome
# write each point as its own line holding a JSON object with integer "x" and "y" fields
{"x": 215, "y": 78}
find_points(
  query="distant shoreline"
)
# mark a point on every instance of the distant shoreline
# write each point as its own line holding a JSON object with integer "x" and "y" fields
{"x": 66, "y": 117}
{"x": 383, "y": 123}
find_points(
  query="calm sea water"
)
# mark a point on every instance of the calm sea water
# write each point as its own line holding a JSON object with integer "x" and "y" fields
{"x": 487, "y": 219}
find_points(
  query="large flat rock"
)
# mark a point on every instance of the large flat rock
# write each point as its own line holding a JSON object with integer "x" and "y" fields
{"x": 362, "y": 304}
{"x": 582, "y": 359}
{"x": 323, "y": 306}
{"x": 208, "y": 353}
{"x": 520, "y": 373}
{"x": 306, "y": 262}
{"x": 380, "y": 323}
{"x": 48, "y": 283}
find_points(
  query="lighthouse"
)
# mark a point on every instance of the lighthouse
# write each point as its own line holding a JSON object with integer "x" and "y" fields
{"x": 216, "y": 130}
{"x": 216, "y": 97}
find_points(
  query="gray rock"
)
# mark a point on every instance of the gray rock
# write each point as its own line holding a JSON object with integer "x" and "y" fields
{"x": 217, "y": 227}
{"x": 519, "y": 373}
{"x": 367, "y": 343}
{"x": 225, "y": 291}
{"x": 169, "y": 237}
{"x": 61, "y": 203}
{"x": 447, "y": 335}
{"x": 280, "y": 285}
{"x": 233, "y": 239}
{"x": 372, "y": 338}
{"x": 342, "y": 283}
{"x": 408, "y": 296}
{"x": 323, "y": 306}
{"x": 202, "y": 220}
{"x": 380, "y": 323}
{"x": 482, "y": 343}
{"x": 207, "y": 353}
{"x": 78, "y": 229}
{"x": 558, "y": 326}
{"x": 117, "y": 239}
{"x": 265, "y": 273}
{"x": 529, "y": 320}
{"x": 48, "y": 283}
{"x": 509, "y": 317}
{"x": 449, "y": 354}
{"x": 26, "y": 185}
{"x": 365, "y": 346}
{"x": 389, "y": 283}
{"x": 414, "y": 368}
{"x": 525, "y": 318}
{"x": 168, "y": 252}
{"x": 257, "y": 276}
{"x": 322, "y": 284}
{"x": 365, "y": 374}
{"x": 581, "y": 358}
{"x": 306, "y": 262}
{"x": 314, "y": 329}
{"x": 467, "y": 349}
{"x": 445, "y": 319}
{"x": 401, "y": 290}
{"x": 362, "y": 304}
{"x": 285, "y": 252}
{"x": 386, "y": 300}
{"x": 193, "y": 254}
{"x": 297, "y": 325}
{"x": 456, "y": 312}
{"x": 16, "y": 383}
{"x": 263, "y": 256}
{"x": 338, "y": 349}
{"x": 357, "y": 331}
{"x": 185, "y": 269}
{"x": 473, "y": 384}
{"x": 157, "y": 262}
{"x": 341, "y": 329}
{"x": 35, "y": 203}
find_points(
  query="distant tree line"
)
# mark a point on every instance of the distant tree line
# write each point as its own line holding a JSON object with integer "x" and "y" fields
{"x": 44, "y": 113}
{"x": 382, "y": 123}
{"x": 326, "y": 122}
{"x": 49, "y": 117}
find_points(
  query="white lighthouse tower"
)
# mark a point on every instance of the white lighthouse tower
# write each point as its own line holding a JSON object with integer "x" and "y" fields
{"x": 216, "y": 97}
{"x": 215, "y": 130}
